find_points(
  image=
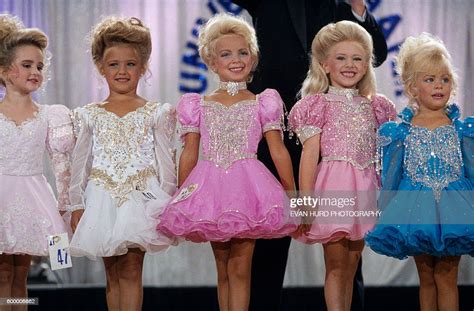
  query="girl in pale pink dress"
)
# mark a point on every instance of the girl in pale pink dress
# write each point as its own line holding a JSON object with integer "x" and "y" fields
{"x": 29, "y": 211}
{"x": 229, "y": 197}
{"x": 337, "y": 118}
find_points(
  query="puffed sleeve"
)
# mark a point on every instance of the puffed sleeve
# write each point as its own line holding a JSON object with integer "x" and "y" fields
{"x": 270, "y": 110}
{"x": 189, "y": 111}
{"x": 384, "y": 109}
{"x": 165, "y": 147}
{"x": 81, "y": 158}
{"x": 467, "y": 147}
{"x": 391, "y": 150}
{"x": 59, "y": 144}
{"x": 307, "y": 117}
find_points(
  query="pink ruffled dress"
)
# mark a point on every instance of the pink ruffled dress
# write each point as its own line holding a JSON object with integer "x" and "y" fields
{"x": 29, "y": 211}
{"x": 346, "y": 178}
{"x": 229, "y": 193}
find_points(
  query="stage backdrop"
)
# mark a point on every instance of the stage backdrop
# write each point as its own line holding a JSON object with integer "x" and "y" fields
{"x": 175, "y": 68}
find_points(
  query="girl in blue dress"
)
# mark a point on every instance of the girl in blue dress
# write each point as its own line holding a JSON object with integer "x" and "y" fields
{"x": 427, "y": 175}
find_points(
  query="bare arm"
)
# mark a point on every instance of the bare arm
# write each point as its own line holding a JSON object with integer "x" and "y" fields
{"x": 308, "y": 163}
{"x": 281, "y": 159}
{"x": 189, "y": 156}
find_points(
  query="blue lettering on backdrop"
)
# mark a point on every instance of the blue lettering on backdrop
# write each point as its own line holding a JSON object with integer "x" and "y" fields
{"x": 193, "y": 75}
{"x": 373, "y": 4}
{"x": 388, "y": 25}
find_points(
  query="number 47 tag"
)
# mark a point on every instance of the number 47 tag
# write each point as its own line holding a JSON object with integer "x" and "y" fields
{"x": 58, "y": 246}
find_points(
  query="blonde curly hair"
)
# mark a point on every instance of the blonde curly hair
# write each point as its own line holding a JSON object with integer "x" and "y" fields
{"x": 317, "y": 80}
{"x": 225, "y": 24}
{"x": 421, "y": 54}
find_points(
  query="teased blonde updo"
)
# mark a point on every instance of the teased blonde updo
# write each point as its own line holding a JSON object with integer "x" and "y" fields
{"x": 14, "y": 34}
{"x": 317, "y": 80}
{"x": 225, "y": 24}
{"x": 113, "y": 31}
{"x": 424, "y": 53}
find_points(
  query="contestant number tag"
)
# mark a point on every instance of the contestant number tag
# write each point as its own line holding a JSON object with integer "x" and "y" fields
{"x": 185, "y": 193}
{"x": 58, "y": 246}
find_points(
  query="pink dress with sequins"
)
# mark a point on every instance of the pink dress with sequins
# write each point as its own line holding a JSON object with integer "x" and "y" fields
{"x": 346, "y": 180}
{"x": 229, "y": 193}
{"x": 29, "y": 211}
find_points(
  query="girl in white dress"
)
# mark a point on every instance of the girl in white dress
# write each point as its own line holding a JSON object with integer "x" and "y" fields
{"x": 122, "y": 168}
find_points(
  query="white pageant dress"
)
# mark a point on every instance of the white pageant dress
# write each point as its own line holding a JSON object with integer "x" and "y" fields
{"x": 123, "y": 173}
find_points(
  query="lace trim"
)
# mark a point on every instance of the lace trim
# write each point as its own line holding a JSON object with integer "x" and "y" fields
{"x": 35, "y": 117}
{"x": 188, "y": 129}
{"x": 76, "y": 122}
{"x": 272, "y": 126}
{"x": 73, "y": 208}
{"x": 307, "y": 132}
{"x": 60, "y": 131}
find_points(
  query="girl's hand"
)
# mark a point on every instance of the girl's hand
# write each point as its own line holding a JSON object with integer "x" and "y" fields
{"x": 75, "y": 218}
{"x": 358, "y": 6}
{"x": 302, "y": 229}
{"x": 306, "y": 222}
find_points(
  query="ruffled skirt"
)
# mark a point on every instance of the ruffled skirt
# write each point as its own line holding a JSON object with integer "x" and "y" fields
{"x": 413, "y": 222}
{"x": 107, "y": 229}
{"x": 216, "y": 204}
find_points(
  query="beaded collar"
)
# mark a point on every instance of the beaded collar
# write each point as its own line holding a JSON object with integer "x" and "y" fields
{"x": 232, "y": 88}
{"x": 343, "y": 92}
{"x": 347, "y": 93}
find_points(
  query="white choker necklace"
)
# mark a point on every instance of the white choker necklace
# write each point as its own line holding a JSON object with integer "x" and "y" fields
{"x": 232, "y": 88}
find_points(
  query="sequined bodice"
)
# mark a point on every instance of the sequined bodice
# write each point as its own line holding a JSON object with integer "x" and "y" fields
{"x": 122, "y": 146}
{"x": 433, "y": 158}
{"x": 350, "y": 130}
{"x": 22, "y": 147}
{"x": 122, "y": 154}
{"x": 229, "y": 133}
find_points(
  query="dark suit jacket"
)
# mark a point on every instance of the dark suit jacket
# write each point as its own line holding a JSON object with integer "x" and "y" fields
{"x": 285, "y": 43}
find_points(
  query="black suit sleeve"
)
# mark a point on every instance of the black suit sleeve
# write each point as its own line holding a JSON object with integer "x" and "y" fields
{"x": 344, "y": 12}
{"x": 250, "y": 5}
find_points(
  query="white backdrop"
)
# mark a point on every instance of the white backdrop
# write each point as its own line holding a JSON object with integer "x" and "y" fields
{"x": 74, "y": 83}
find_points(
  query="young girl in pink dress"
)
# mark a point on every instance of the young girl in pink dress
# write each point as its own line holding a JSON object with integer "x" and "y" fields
{"x": 337, "y": 118}
{"x": 228, "y": 197}
{"x": 29, "y": 211}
